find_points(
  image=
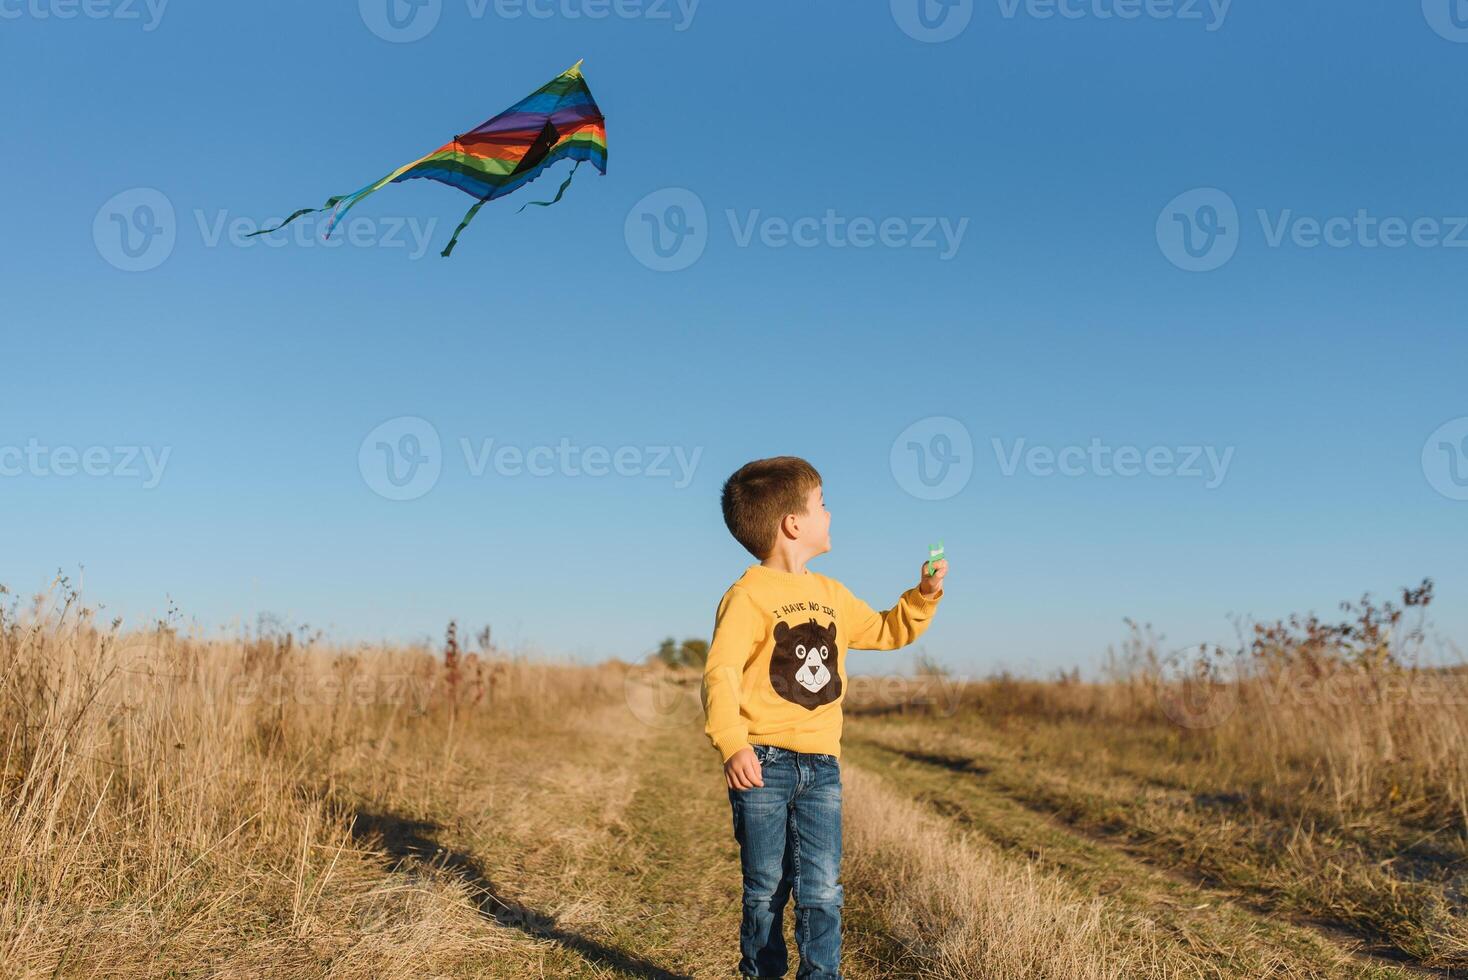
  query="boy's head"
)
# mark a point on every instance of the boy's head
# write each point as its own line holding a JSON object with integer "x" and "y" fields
{"x": 778, "y": 502}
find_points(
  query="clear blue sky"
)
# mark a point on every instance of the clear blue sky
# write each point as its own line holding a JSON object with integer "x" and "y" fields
{"x": 1069, "y": 158}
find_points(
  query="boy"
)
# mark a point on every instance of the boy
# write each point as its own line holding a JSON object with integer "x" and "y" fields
{"x": 772, "y": 692}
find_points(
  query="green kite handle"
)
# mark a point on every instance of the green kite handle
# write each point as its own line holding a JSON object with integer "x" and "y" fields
{"x": 935, "y": 555}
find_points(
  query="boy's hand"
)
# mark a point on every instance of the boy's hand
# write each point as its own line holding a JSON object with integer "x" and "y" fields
{"x": 932, "y": 584}
{"x": 742, "y": 770}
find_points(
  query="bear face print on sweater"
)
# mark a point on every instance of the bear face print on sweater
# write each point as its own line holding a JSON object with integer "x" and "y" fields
{"x": 803, "y": 664}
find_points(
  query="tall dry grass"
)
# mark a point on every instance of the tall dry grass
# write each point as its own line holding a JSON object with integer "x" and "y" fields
{"x": 176, "y": 803}
{"x": 961, "y": 909}
{"x": 1349, "y": 718}
{"x": 1349, "y": 713}
{"x": 171, "y": 801}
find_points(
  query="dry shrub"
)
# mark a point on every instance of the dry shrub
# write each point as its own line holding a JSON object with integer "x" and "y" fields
{"x": 1348, "y": 713}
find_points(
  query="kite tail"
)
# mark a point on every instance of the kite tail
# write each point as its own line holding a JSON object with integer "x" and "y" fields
{"x": 564, "y": 185}
{"x": 338, "y": 211}
{"x": 341, "y": 205}
{"x": 331, "y": 203}
{"x": 462, "y": 225}
{"x": 346, "y": 203}
{"x": 448, "y": 250}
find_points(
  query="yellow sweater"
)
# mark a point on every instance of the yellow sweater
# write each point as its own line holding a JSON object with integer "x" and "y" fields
{"x": 776, "y": 671}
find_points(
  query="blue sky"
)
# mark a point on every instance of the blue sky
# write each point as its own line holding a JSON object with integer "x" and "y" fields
{"x": 963, "y": 259}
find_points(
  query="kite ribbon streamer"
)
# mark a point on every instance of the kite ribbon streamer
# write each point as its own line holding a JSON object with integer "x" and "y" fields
{"x": 462, "y": 225}
{"x": 540, "y": 204}
{"x": 564, "y": 184}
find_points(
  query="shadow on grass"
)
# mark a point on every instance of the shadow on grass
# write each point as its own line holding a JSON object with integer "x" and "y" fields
{"x": 953, "y": 763}
{"x": 413, "y": 841}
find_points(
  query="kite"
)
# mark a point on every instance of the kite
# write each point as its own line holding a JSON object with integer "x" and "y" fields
{"x": 558, "y": 121}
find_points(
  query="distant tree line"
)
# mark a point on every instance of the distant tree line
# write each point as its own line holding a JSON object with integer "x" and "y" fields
{"x": 691, "y": 652}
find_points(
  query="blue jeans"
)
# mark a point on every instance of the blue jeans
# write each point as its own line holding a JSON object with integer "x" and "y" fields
{"x": 789, "y": 833}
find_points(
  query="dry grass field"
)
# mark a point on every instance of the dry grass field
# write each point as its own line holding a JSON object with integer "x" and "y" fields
{"x": 186, "y": 807}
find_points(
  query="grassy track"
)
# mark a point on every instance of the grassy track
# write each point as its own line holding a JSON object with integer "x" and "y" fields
{"x": 1090, "y": 826}
{"x": 607, "y": 851}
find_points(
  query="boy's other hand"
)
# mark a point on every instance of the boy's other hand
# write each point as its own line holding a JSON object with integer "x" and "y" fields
{"x": 932, "y": 584}
{"x": 742, "y": 770}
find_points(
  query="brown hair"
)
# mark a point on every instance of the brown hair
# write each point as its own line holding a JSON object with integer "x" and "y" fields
{"x": 759, "y": 495}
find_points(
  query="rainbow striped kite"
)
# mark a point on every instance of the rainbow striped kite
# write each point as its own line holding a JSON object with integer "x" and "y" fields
{"x": 558, "y": 121}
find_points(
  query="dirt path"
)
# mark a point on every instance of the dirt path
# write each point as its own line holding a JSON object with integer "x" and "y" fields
{"x": 544, "y": 832}
{"x": 613, "y": 857}
{"x": 686, "y": 878}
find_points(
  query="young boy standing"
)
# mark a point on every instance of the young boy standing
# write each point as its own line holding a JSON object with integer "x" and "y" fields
{"x": 772, "y": 692}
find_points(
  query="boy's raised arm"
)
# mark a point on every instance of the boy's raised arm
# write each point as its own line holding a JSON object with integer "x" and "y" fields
{"x": 898, "y": 626}
{"x": 736, "y": 632}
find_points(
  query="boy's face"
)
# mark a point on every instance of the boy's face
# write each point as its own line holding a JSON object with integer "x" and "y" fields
{"x": 815, "y": 529}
